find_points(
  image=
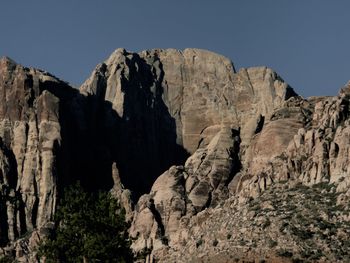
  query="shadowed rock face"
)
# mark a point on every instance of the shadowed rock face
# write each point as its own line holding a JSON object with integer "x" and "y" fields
{"x": 166, "y": 104}
{"x": 183, "y": 126}
{"x": 44, "y": 142}
{"x": 128, "y": 113}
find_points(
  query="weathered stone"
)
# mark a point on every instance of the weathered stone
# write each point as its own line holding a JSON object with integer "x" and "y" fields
{"x": 194, "y": 141}
{"x": 176, "y": 101}
{"x": 30, "y": 133}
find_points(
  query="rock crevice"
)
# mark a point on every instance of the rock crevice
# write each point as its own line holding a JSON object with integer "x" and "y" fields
{"x": 175, "y": 135}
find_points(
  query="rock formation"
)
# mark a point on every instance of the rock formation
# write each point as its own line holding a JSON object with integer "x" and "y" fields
{"x": 30, "y": 137}
{"x": 209, "y": 163}
{"x": 163, "y": 104}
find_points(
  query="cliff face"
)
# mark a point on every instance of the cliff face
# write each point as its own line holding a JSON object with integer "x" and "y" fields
{"x": 290, "y": 200}
{"x": 193, "y": 140}
{"x": 30, "y": 138}
{"x": 44, "y": 145}
{"x": 165, "y": 104}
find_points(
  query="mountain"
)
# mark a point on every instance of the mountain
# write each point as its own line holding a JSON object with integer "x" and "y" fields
{"x": 209, "y": 163}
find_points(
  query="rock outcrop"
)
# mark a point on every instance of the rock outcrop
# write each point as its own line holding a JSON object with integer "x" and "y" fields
{"x": 30, "y": 138}
{"x": 286, "y": 223}
{"x": 183, "y": 191}
{"x": 44, "y": 135}
{"x": 313, "y": 149}
{"x": 163, "y": 104}
{"x": 189, "y": 146}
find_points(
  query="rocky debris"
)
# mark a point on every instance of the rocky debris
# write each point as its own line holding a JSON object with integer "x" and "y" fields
{"x": 307, "y": 143}
{"x": 24, "y": 249}
{"x": 183, "y": 191}
{"x": 313, "y": 149}
{"x": 289, "y": 222}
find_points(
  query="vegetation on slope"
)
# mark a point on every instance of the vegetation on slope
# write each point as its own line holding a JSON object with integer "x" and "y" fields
{"x": 289, "y": 222}
{"x": 90, "y": 228}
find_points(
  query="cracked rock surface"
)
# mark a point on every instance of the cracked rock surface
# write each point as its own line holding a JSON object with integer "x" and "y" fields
{"x": 210, "y": 163}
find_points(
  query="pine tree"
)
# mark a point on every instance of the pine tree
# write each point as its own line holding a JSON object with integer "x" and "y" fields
{"x": 90, "y": 228}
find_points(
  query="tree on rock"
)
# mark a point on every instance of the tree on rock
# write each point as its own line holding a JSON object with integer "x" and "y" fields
{"x": 89, "y": 228}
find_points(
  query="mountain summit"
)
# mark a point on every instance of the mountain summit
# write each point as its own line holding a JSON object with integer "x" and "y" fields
{"x": 209, "y": 163}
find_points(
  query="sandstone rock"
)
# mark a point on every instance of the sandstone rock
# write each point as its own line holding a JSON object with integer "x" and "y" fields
{"x": 179, "y": 103}
{"x": 183, "y": 191}
{"x": 307, "y": 142}
{"x": 197, "y": 144}
{"x": 30, "y": 134}
{"x": 122, "y": 194}
{"x": 266, "y": 229}
{"x": 176, "y": 101}
{"x": 202, "y": 89}
{"x": 313, "y": 149}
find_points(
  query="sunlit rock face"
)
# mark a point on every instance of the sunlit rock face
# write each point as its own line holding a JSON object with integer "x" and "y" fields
{"x": 135, "y": 117}
{"x": 163, "y": 105}
{"x": 30, "y": 135}
{"x": 44, "y": 146}
{"x": 167, "y": 106}
{"x": 183, "y": 141}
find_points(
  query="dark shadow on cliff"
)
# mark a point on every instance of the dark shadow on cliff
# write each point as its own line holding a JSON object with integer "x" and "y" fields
{"x": 77, "y": 158}
{"x": 142, "y": 142}
{"x": 10, "y": 195}
{"x": 146, "y": 145}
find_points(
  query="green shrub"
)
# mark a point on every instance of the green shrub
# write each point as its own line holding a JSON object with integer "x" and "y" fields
{"x": 272, "y": 243}
{"x": 303, "y": 234}
{"x": 199, "y": 243}
{"x": 7, "y": 259}
{"x": 266, "y": 223}
{"x": 297, "y": 260}
{"x": 284, "y": 253}
{"x": 90, "y": 227}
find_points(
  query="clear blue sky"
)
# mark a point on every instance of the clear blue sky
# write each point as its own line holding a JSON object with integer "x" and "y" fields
{"x": 306, "y": 42}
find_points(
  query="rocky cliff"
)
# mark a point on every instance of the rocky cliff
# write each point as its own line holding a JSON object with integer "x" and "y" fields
{"x": 30, "y": 138}
{"x": 209, "y": 163}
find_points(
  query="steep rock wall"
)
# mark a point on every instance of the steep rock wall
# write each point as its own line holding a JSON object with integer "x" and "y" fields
{"x": 163, "y": 105}
{"x": 30, "y": 137}
{"x": 133, "y": 119}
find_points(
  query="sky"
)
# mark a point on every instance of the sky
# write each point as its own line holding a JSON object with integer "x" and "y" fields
{"x": 306, "y": 42}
